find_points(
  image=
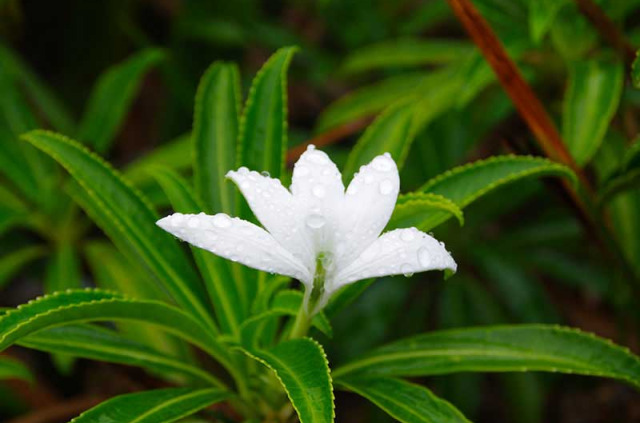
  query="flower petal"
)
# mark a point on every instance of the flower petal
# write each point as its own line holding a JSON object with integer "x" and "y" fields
{"x": 237, "y": 240}
{"x": 369, "y": 202}
{"x": 401, "y": 251}
{"x": 274, "y": 206}
{"x": 319, "y": 193}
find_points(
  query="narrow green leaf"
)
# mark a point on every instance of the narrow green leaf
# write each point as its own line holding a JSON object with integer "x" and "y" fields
{"x": 590, "y": 103}
{"x": 223, "y": 290}
{"x": 78, "y": 306}
{"x": 157, "y": 406}
{"x": 406, "y": 402}
{"x": 302, "y": 368}
{"x": 111, "y": 98}
{"x": 263, "y": 127}
{"x": 424, "y": 211}
{"x": 12, "y": 369}
{"x": 63, "y": 269}
{"x": 465, "y": 184}
{"x": 542, "y": 13}
{"x": 175, "y": 154}
{"x": 499, "y": 349}
{"x": 97, "y": 343}
{"x": 127, "y": 218}
{"x": 215, "y": 133}
{"x": 13, "y": 262}
{"x": 626, "y": 176}
{"x": 405, "y": 53}
{"x": 392, "y": 132}
{"x": 635, "y": 70}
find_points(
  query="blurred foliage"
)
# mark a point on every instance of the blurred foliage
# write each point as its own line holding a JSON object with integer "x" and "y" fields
{"x": 121, "y": 77}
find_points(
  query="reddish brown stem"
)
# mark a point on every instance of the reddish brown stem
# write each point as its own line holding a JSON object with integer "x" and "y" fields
{"x": 607, "y": 29}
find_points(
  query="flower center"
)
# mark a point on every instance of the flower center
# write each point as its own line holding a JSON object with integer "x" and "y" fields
{"x": 323, "y": 261}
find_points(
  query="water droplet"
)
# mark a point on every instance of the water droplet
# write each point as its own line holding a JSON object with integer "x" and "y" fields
{"x": 265, "y": 174}
{"x": 407, "y": 270}
{"x": 407, "y": 235}
{"x": 386, "y": 187}
{"x": 301, "y": 170}
{"x": 221, "y": 221}
{"x": 382, "y": 163}
{"x": 243, "y": 170}
{"x": 319, "y": 191}
{"x": 315, "y": 221}
{"x": 424, "y": 257}
{"x": 311, "y": 147}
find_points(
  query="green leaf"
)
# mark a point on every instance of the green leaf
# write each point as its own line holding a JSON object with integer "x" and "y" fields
{"x": 127, "y": 218}
{"x": 156, "y": 406}
{"x": 224, "y": 292}
{"x": 626, "y": 176}
{"x": 499, "y": 349}
{"x": 405, "y": 53}
{"x": 175, "y": 154}
{"x": 263, "y": 127}
{"x": 63, "y": 269}
{"x": 111, "y": 98}
{"x": 37, "y": 91}
{"x": 392, "y": 132}
{"x": 424, "y": 211}
{"x": 590, "y": 103}
{"x": 96, "y": 343}
{"x": 302, "y": 368}
{"x": 215, "y": 132}
{"x": 405, "y": 402}
{"x": 542, "y": 13}
{"x": 11, "y": 263}
{"x": 465, "y": 184}
{"x": 78, "y": 306}
{"x": 370, "y": 100}
{"x": 12, "y": 369}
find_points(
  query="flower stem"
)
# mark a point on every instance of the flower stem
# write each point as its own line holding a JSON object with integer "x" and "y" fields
{"x": 301, "y": 325}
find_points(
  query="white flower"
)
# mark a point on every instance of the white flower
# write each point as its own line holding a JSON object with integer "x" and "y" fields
{"x": 316, "y": 232}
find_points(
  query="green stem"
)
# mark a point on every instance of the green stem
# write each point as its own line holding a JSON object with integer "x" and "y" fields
{"x": 301, "y": 325}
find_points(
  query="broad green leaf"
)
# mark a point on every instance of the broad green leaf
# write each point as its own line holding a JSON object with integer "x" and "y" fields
{"x": 97, "y": 343}
{"x": 405, "y": 53}
{"x": 176, "y": 154}
{"x": 370, "y": 100}
{"x": 12, "y": 262}
{"x": 392, "y": 132}
{"x": 499, "y": 349}
{"x": 424, "y": 211}
{"x": 12, "y": 369}
{"x": 37, "y": 91}
{"x": 111, "y": 98}
{"x": 215, "y": 133}
{"x": 405, "y": 402}
{"x": 78, "y": 306}
{"x": 63, "y": 269}
{"x": 302, "y": 368}
{"x": 127, "y": 218}
{"x": 156, "y": 406}
{"x": 263, "y": 126}
{"x": 224, "y": 293}
{"x": 590, "y": 103}
{"x": 465, "y": 184}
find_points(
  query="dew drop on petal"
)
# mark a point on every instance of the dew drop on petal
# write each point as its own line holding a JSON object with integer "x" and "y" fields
{"x": 315, "y": 221}
{"x": 221, "y": 221}
{"x": 243, "y": 170}
{"x": 311, "y": 147}
{"x": 407, "y": 270}
{"x": 386, "y": 187}
{"x": 319, "y": 191}
{"x": 424, "y": 258}
{"x": 265, "y": 174}
{"x": 407, "y": 236}
{"x": 383, "y": 163}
